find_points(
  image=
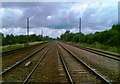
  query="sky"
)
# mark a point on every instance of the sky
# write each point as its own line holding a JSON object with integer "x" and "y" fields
{"x": 55, "y": 17}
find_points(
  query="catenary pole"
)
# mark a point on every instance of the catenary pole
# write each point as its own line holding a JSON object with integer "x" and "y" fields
{"x": 28, "y": 28}
{"x": 79, "y": 28}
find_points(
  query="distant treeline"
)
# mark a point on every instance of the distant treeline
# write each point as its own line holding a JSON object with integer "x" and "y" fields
{"x": 109, "y": 37}
{"x": 11, "y": 39}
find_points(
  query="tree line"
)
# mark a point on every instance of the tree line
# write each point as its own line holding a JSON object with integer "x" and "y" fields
{"x": 11, "y": 39}
{"x": 109, "y": 37}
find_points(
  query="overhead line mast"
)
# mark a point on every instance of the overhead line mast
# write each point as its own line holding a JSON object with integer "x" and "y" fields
{"x": 27, "y": 26}
{"x": 79, "y": 28}
{"x": 28, "y": 29}
{"x": 79, "y": 25}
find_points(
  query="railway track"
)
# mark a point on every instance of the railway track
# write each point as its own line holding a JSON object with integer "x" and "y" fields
{"x": 50, "y": 69}
{"x": 107, "y": 67}
{"x": 53, "y": 63}
{"x": 17, "y": 55}
{"x": 29, "y": 75}
{"x": 20, "y": 69}
{"x": 99, "y": 52}
{"x": 78, "y": 71}
{"x": 70, "y": 80}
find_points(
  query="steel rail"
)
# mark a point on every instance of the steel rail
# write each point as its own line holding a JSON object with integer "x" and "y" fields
{"x": 19, "y": 62}
{"x": 29, "y": 75}
{"x": 65, "y": 67}
{"x": 104, "y": 54}
{"x": 117, "y": 55}
{"x": 92, "y": 70}
{"x": 99, "y": 52}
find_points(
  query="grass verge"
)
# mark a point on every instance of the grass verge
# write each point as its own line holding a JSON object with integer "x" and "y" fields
{"x": 16, "y": 46}
{"x": 11, "y": 47}
{"x": 97, "y": 45}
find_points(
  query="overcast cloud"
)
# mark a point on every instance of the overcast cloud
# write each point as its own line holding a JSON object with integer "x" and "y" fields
{"x": 54, "y": 18}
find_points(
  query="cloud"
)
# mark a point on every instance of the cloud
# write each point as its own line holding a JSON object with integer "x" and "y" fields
{"x": 15, "y": 31}
{"x": 100, "y": 17}
{"x": 56, "y": 16}
{"x": 61, "y": 1}
{"x": 38, "y": 31}
{"x": 49, "y": 17}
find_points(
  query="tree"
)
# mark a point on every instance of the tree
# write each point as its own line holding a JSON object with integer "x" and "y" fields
{"x": 11, "y": 39}
{"x": 109, "y": 37}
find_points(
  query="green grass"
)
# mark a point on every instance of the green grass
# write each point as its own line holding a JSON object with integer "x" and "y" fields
{"x": 16, "y": 46}
{"x": 11, "y": 47}
{"x": 97, "y": 45}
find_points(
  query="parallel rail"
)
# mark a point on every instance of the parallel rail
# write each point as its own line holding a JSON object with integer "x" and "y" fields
{"x": 88, "y": 67}
{"x": 29, "y": 75}
{"x": 100, "y": 52}
{"x": 21, "y": 61}
{"x": 65, "y": 67}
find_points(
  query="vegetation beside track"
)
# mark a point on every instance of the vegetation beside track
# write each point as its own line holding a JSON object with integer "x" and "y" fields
{"x": 11, "y": 42}
{"x": 108, "y": 40}
{"x": 11, "y": 47}
{"x": 99, "y": 46}
{"x": 22, "y": 39}
{"x": 17, "y": 46}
